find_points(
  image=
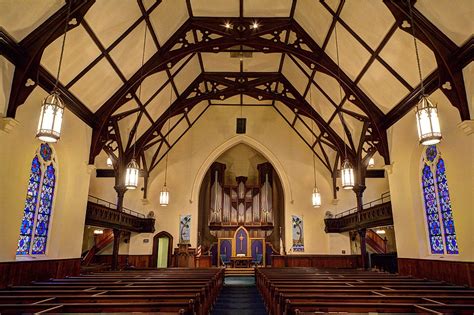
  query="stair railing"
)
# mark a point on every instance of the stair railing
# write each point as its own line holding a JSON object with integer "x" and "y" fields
{"x": 111, "y": 205}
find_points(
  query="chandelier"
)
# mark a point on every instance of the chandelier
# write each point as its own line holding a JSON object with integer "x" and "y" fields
{"x": 316, "y": 195}
{"x": 131, "y": 175}
{"x": 426, "y": 112}
{"x": 52, "y": 107}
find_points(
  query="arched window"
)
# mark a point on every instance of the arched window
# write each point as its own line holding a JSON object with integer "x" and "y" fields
{"x": 439, "y": 217}
{"x": 38, "y": 204}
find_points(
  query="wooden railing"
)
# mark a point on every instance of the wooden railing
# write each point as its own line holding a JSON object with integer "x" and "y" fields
{"x": 376, "y": 242}
{"x": 375, "y": 213}
{"x": 105, "y": 214}
{"x": 101, "y": 241}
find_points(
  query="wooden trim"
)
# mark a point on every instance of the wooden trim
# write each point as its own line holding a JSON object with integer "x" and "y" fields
{"x": 317, "y": 261}
{"x": 23, "y": 272}
{"x": 154, "y": 255}
{"x": 456, "y": 272}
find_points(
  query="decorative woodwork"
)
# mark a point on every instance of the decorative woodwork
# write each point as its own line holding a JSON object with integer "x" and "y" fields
{"x": 317, "y": 261}
{"x": 456, "y": 272}
{"x": 104, "y": 216}
{"x": 184, "y": 256}
{"x": 378, "y": 215}
{"x": 23, "y": 272}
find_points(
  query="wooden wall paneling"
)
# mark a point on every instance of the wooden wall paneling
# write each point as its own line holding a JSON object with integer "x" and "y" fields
{"x": 23, "y": 272}
{"x": 456, "y": 272}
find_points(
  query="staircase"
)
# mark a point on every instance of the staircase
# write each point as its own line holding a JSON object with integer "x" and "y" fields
{"x": 101, "y": 242}
{"x": 378, "y": 244}
{"x": 239, "y": 272}
{"x": 239, "y": 297}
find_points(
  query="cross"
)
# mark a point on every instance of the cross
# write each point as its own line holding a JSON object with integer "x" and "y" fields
{"x": 241, "y": 239}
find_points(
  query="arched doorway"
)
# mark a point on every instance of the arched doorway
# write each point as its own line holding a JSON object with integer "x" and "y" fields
{"x": 162, "y": 250}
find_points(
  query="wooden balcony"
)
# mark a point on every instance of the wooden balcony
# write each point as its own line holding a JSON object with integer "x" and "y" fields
{"x": 104, "y": 214}
{"x": 373, "y": 214}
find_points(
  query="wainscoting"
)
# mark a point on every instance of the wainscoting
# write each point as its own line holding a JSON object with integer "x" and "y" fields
{"x": 317, "y": 261}
{"x": 137, "y": 261}
{"x": 23, "y": 272}
{"x": 455, "y": 272}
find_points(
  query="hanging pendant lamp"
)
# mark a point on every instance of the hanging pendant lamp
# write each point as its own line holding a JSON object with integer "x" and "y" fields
{"x": 109, "y": 162}
{"x": 371, "y": 162}
{"x": 316, "y": 195}
{"x": 165, "y": 194}
{"x": 52, "y": 108}
{"x": 426, "y": 112}
{"x": 347, "y": 170}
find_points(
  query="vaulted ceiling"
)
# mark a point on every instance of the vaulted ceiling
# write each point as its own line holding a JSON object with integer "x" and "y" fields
{"x": 201, "y": 53}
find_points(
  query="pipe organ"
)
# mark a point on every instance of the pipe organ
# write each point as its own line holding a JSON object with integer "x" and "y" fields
{"x": 244, "y": 204}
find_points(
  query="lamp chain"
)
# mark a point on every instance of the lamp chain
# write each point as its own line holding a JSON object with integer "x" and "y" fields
{"x": 62, "y": 46}
{"x": 168, "y": 134}
{"x": 412, "y": 21}
{"x": 140, "y": 90}
{"x": 312, "y": 138}
{"x": 340, "y": 90}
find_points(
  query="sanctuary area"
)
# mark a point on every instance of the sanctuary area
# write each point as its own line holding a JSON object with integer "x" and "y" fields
{"x": 236, "y": 156}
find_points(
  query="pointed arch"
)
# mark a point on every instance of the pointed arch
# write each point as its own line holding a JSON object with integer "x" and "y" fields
{"x": 437, "y": 203}
{"x": 39, "y": 201}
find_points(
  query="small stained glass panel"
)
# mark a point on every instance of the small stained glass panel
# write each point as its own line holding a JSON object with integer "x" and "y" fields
{"x": 46, "y": 151}
{"x": 431, "y": 153}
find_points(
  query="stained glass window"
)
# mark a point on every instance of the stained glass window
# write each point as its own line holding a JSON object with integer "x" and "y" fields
{"x": 439, "y": 217}
{"x": 38, "y": 204}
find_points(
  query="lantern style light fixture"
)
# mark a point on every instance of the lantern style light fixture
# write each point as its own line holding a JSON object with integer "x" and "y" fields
{"x": 52, "y": 108}
{"x": 427, "y": 120}
{"x": 371, "y": 162}
{"x": 347, "y": 175}
{"x": 316, "y": 195}
{"x": 164, "y": 196}
{"x": 131, "y": 175}
{"x": 347, "y": 170}
{"x": 109, "y": 162}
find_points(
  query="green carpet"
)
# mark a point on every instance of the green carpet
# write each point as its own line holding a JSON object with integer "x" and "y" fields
{"x": 239, "y": 296}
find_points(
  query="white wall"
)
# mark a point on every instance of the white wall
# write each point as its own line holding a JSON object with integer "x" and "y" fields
{"x": 17, "y": 151}
{"x": 457, "y": 149}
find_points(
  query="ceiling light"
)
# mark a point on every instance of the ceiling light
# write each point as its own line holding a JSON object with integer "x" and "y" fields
{"x": 109, "y": 162}
{"x": 380, "y": 232}
{"x": 98, "y": 232}
{"x": 227, "y": 25}
{"x": 316, "y": 198}
{"x": 131, "y": 175}
{"x": 52, "y": 108}
{"x": 371, "y": 162}
{"x": 347, "y": 175}
{"x": 429, "y": 131}
{"x": 255, "y": 25}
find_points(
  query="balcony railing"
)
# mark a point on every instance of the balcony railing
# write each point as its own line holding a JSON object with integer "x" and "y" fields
{"x": 375, "y": 213}
{"x": 103, "y": 213}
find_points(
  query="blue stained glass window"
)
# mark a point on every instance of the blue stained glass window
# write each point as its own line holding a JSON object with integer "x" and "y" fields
{"x": 439, "y": 217}
{"x": 38, "y": 204}
{"x": 29, "y": 211}
{"x": 445, "y": 207}
{"x": 44, "y": 211}
{"x": 431, "y": 207}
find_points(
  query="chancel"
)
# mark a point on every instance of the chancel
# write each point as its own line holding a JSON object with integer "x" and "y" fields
{"x": 236, "y": 157}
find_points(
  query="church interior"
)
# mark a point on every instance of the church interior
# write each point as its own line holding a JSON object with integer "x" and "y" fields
{"x": 236, "y": 156}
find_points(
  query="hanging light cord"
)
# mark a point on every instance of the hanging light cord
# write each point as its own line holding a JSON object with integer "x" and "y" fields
{"x": 312, "y": 137}
{"x": 412, "y": 21}
{"x": 62, "y": 47}
{"x": 140, "y": 90}
{"x": 340, "y": 90}
{"x": 169, "y": 129}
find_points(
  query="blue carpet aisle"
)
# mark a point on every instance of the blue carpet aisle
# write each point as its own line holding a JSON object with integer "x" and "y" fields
{"x": 239, "y": 296}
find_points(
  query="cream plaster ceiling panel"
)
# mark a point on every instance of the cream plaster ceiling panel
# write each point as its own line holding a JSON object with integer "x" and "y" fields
{"x": 125, "y": 125}
{"x": 336, "y": 125}
{"x": 128, "y": 54}
{"x": 400, "y": 54}
{"x": 21, "y": 17}
{"x": 130, "y": 105}
{"x": 7, "y": 69}
{"x": 352, "y": 55}
{"x": 151, "y": 85}
{"x": 111, "y": 18}
{"x": 253, "y": 101}
{"x": 454, "y": 18}
{"x": 287, "y": 112}
{"x": 167, "y": 18}
{"x": 161, "y": 102}
{"x": 371, "y": 20}
{"x": 293, "y": 74}
{"x": 348, "y": 105}
{"x": 178, "y": 130}
{"x": 187, "y": 75}
{"x": 143, "y": 125}
{"x": 382, "y": 87}
{"x": 197, "y": 110}
{"x": 267, "y": 8}
{"x": 311, "y": 124}
{"x": 262, "y": 62}
{"x": 301, "y": 65}
{"x": 333, "y": 4}
{"x": 228, "y": 8}
{"x": 235, "y": 100}
{"x": 148, "y": 3}
{"x": 330, "y": 86}
{"x": 97, "y": 85}
{"x": 314, "y": 18}
{"x": 79, "y": 52}
{"x": 304, "y": 131}
{"x": 320, "y": 103}
{"x": 220, "y": 62}
{"x": 181, "y": 61}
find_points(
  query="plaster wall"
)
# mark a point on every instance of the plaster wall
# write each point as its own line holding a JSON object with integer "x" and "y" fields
{"x": 457, "y": 150}
{"x": 17, "y": 151}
